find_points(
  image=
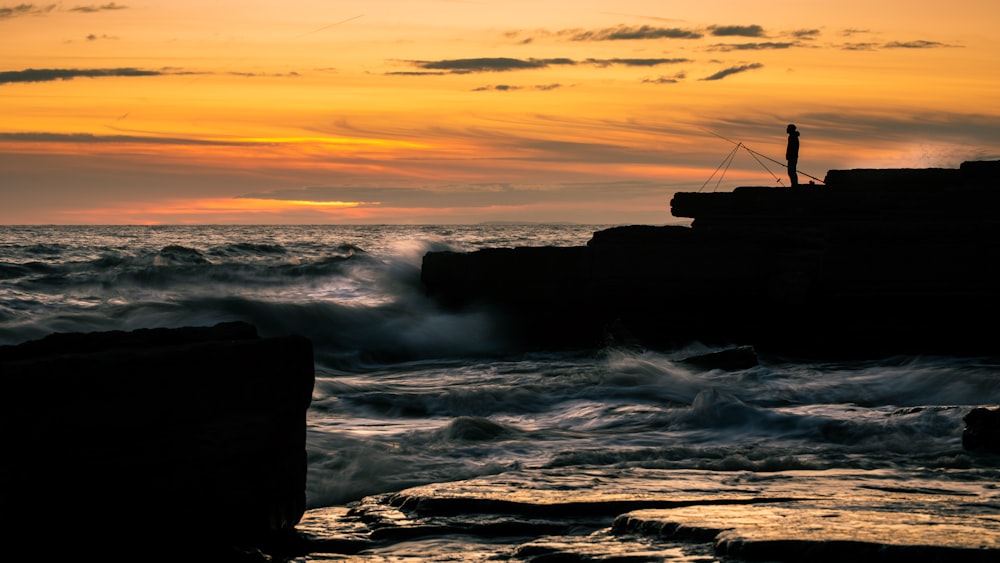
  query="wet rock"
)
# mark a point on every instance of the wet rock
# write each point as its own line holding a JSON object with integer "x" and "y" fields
{"x": 191, "y": 440}
{"x": 832, "y": 532}
{"x": 982, "y": 430}
{"x": 631, "y": 514}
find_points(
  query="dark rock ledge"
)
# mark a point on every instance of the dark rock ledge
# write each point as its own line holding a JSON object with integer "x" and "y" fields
{"x": 158, "y": 444}
{"x": 874, "y": 263}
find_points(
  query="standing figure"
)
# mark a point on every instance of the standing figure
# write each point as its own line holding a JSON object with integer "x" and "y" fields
{"x": 792, "y": 154}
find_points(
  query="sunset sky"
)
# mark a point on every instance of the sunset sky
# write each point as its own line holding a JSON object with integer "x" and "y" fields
{"x": 465, "y": 111}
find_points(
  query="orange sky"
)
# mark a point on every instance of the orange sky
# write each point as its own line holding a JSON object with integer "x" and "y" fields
{"x": 413, "y": 111}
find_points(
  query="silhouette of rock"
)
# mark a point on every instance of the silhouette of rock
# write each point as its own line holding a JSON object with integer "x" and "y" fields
{"x": 875, "y": 262}
{"x": 982, "y": 430}
{"x": 173, "y": 441}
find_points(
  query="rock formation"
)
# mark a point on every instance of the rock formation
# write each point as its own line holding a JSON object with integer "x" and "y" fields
{"x": 170, "y": 441}
{"x": 982, "y": 430}
{"x": 874, "y": 262}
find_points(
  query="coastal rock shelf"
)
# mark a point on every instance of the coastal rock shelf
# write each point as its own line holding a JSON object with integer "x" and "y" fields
{"x": 874, "y": 262}
{"x": 683, "y": 515}
{"x": 155, "y": 444}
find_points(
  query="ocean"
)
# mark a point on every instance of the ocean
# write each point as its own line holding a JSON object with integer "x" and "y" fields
{"x": 413, "y": 401}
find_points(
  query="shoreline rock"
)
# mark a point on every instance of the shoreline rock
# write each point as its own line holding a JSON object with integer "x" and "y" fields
{"x": 874, "y": 263}
{"x": 186, "y": 441}
{"x": 794, "y": 515}
{"x": 982, "y": 430}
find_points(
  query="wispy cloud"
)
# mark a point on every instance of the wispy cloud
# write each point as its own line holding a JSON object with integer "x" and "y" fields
{"x": 623, "y": 32}
{"x": 739, "y": 30}
{"x": 733, "y": 70}
{"x": 25, "y": 10}
{"x": 50, "y": 74}
{"x": 89, "y": 138}
{"x": 859, "y": 46}
{"x": 871, "y": 46}
{"x": 806, "y": 33}
{"x": 101, "y": 8}
{"x": 511, "y": 88}
{"x": 291, "y": 74}
{"x": 636, "y": 62}
{"x": 414, "y": 73}
{"x": 504, "y": 64}
{"x": 918, "y": 44}
{"x": 497, "y": 88}
{"x": 666, "y": 79}
{"x": 39, "y": 9}
{"x": 489, "y": 64}
{"x": 725, "y": 47}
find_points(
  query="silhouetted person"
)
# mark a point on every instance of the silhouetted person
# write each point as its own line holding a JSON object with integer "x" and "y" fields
{"x": 792, "y": 154}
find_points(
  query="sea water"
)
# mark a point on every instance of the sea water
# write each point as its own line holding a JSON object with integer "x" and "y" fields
{"x": 409, "y": 394}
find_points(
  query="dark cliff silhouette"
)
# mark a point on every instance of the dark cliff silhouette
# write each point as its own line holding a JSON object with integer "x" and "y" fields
{"x": 883, "y": 261}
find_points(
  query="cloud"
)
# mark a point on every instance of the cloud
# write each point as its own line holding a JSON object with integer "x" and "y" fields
{"x": 890, "y": 130}
{"x": 50, "y": 74}
{"x": 740, "y": 30}
{"x": 919, "y": 44}
{"x": 290, "y": 74}
{"x": 806, "y": 33}
{"x": 101, "y": 139}
{"x": 893, "y": 127}
{"x": 498, "y": 88}
{"x": 726, "y": 47}
{"x": 623, "y": 32}
{"x": 36, "y": 9}
{"x": 488, "y": 64}
{"x": 636, "y": 62}
{"x": 25, "y": 10}
{"x": 414, "y": 73}
{"x": 733, "y": 70}
{"x": 665, "y": 79}
{"x": 503, "y": 64}
{"x": 101, "y": 8}
{"x": 859, "y": 46}
{"x": 508, "y": 88}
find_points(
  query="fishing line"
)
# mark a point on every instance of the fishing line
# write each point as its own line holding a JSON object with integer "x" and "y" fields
{"x": 726, "y": 162}
{"x": 756, "y": 154}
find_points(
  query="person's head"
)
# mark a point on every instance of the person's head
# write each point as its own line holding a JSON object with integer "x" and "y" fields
{"x": 790, "y": 128}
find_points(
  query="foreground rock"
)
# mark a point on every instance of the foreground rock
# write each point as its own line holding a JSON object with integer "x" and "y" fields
{"x": 793, "y": 532}
{"x": 684, "y": 515}
{"x": 876, "y": 262}
{"x": 155, "y": 443}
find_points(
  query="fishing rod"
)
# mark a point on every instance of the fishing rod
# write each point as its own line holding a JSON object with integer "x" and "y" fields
{"x": 755, "y": 154}
{"x": 726, "y": 162}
